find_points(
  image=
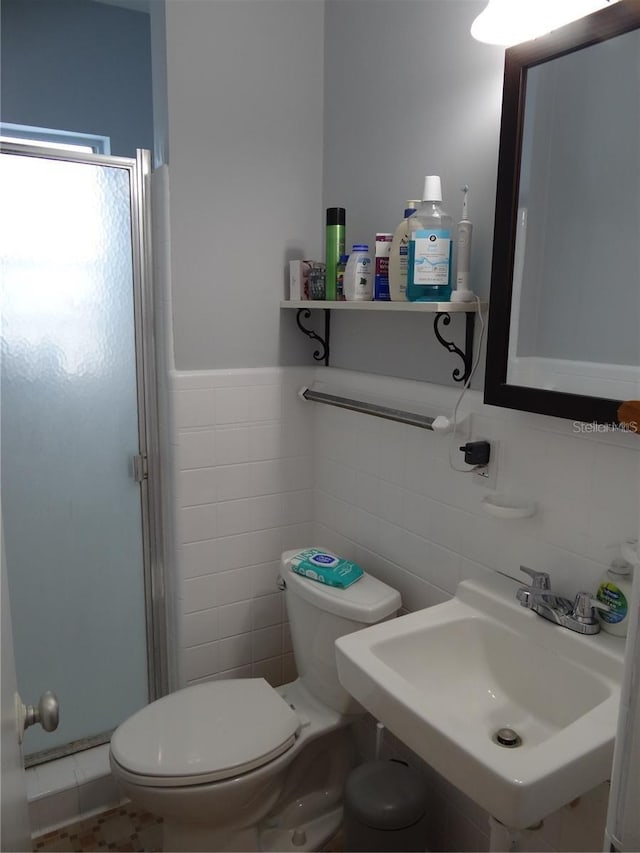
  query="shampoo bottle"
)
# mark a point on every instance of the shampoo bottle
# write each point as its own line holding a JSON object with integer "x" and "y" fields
{"x": 615, "y": 591}
{"x": 430, "y": 247}
{"x": 399, "y": 255}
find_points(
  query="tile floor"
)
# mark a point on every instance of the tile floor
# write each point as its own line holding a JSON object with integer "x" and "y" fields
{"x": 122, "y": 829}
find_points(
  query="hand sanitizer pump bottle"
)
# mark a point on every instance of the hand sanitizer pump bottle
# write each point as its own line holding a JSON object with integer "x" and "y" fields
{"x": 615, "y": 592}
{"x": 430, "y": 248}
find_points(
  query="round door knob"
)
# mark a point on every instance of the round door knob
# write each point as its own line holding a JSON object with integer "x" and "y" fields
{"x": 47, "y": 713}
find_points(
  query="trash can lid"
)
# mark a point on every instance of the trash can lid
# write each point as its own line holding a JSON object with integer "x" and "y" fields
{"x": 385, "y": 795}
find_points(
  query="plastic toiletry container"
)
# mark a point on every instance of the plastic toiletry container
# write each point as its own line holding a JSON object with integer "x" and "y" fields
{"x": 358, "y": 275}
{"x": 399, "y": 255}
{"x": 430, "y": 248}
{"x": 342, "y": 265}
{"x": 381, "y": 278}
{"x": 615, "y": 591}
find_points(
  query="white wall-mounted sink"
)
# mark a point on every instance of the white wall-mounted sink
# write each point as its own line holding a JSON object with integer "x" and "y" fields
{"x": 446, "y": 678}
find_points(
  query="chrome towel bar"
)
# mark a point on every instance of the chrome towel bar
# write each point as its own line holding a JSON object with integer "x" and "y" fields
{"x": 386, "y": 412}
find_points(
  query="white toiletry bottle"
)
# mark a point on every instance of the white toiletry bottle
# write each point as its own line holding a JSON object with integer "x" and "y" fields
{"x": 615, "y": 591}
{"x": 399, "y": 255}
{"x": 358, "y": 275}
{"x": 430, "y": 248}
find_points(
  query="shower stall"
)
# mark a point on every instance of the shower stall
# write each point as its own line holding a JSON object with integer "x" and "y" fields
{"x": 79, "y": 440}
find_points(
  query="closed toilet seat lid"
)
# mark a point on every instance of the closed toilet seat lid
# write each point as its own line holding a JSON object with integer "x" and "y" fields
{"x": 205, "y": 733}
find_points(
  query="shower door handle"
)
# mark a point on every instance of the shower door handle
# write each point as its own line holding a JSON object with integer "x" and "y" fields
{"x": 139, "y": 468}
{"x": 46, "y": 712}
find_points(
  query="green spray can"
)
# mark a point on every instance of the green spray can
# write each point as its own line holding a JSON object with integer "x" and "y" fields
{"x": 334, "y": 247}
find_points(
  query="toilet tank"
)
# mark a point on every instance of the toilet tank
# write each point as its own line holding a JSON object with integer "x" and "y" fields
{"x": 318, "y": 615}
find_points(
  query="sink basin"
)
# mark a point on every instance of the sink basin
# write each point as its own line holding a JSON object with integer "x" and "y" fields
{"x": 446, "y": 679}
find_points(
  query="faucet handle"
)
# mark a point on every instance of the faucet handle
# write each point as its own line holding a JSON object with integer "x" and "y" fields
{"x": 539, "y": 580}
{"x": 585, "y": 604}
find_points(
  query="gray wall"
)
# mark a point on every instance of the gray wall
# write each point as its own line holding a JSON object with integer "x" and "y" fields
{"x": 245, "y": 83}
{"x": 408, "y": 92}
{"x": 80, "y": 66}
{"x": 281, "y": 108}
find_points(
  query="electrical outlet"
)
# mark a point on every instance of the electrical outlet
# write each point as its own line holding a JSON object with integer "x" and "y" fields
{"x": 487, "y": 475}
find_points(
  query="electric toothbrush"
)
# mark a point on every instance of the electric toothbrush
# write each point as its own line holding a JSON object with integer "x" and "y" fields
{"x": 463, "y": 252}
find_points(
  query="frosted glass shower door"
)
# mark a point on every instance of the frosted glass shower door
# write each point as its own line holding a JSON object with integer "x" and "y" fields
{"x": 69, "y": 417}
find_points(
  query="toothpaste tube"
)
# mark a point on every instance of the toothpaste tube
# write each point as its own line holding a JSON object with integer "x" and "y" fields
{"x": 326, "y": 568}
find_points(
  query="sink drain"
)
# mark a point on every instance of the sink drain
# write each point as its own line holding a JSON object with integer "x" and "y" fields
{"x": 507, "y": 737}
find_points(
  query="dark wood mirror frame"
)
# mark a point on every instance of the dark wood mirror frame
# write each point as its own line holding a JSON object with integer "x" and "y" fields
{"x": 619, "y": 18}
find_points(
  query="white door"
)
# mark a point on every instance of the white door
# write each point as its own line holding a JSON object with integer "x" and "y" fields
{"x": 14, "y": 826}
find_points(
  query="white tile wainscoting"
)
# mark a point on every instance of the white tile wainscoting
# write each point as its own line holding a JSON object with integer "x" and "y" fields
{"x": 69, "y": 789}
{"x": 243, "y": 469}
{"x": 386, "y": 495}
{"x": 258, "y": 470}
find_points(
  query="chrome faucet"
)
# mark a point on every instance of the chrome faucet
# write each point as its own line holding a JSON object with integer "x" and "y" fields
{"x": 578, "y": 615}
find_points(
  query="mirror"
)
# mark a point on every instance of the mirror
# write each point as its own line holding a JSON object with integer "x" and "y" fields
{"x": 564, "y": 322}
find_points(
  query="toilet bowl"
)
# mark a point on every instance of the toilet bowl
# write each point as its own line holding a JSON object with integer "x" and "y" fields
{"x": 238, "y": 765}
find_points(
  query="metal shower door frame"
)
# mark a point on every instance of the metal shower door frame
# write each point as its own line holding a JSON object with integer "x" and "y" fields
{"x": 146, "y": 469}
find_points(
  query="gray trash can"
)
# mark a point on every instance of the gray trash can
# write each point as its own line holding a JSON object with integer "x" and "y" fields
{"x": 385, "y": 808}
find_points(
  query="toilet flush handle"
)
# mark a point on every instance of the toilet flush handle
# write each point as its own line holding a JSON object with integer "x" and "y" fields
{"x": 281, "y": 583}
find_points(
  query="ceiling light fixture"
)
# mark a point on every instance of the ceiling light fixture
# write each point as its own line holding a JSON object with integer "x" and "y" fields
{"x": 509, "y": 22}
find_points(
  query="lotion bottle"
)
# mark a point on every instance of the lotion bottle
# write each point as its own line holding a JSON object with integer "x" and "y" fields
{"x": 615, "y": 591}
{"x": 430, "y": 248}
{"x": 358, "y": 283}
{"x": 399, "y": 255}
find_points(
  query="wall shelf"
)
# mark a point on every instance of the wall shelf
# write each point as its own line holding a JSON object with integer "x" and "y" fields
{"x": 442, "y": 312}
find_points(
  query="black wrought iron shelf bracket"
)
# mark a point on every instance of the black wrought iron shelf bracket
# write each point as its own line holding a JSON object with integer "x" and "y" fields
{"x": 441, "y": 319}
{"x": 467, "y": 353}
{"x": 321, "y": 354}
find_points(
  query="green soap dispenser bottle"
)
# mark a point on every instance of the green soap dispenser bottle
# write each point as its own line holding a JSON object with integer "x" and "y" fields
{"x": 615, "y": 591}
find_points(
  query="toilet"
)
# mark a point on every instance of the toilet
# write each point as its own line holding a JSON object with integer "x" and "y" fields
{"x": 238, "y": 765}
